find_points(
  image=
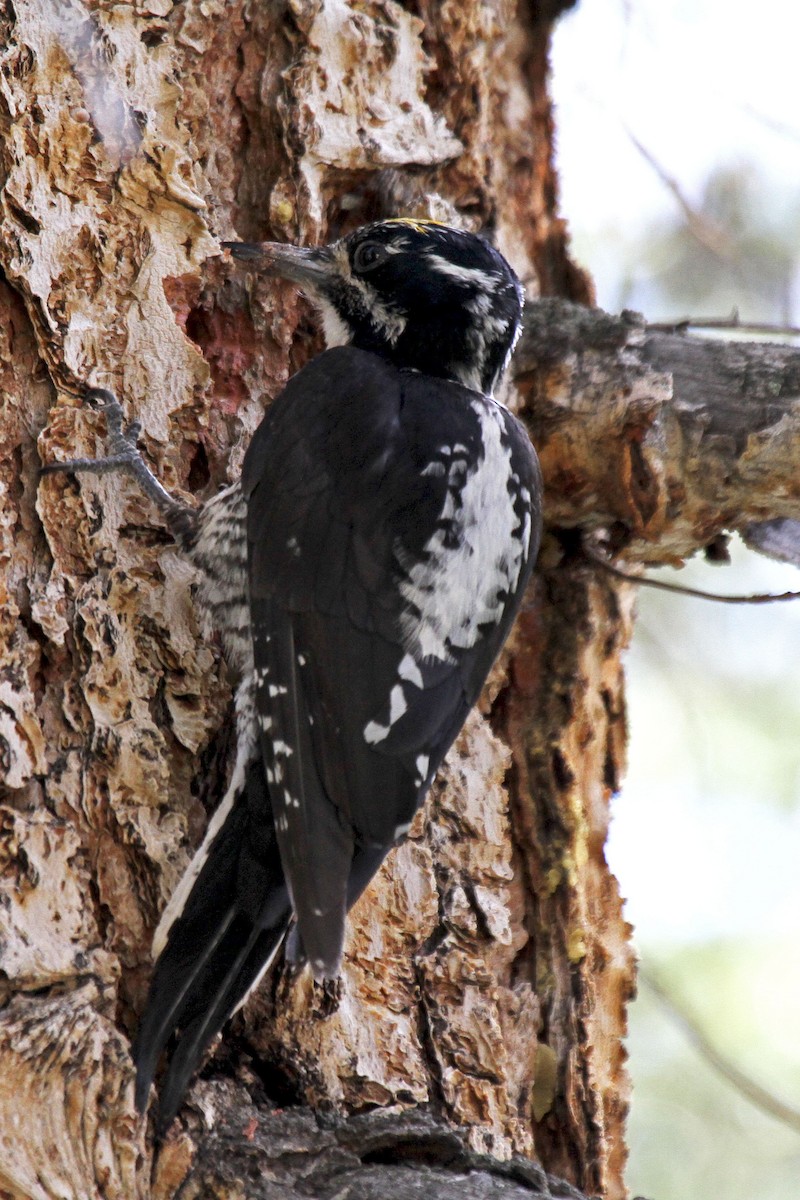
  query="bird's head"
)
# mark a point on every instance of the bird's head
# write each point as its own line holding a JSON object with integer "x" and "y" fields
{"x": 425, "y": 296}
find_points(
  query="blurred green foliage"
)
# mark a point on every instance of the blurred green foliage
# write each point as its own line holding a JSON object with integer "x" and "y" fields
{"x": 692, "y": 1135}
{"x": 706, "y": 842}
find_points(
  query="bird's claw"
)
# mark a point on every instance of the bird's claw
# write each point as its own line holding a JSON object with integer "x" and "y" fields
{"x": 99, "y": 398}
{"x": 123, "y": 439}
{"x": 123, "y": 454}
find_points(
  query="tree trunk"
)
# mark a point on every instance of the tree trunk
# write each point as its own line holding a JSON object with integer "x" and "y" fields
{"x": 488, "y": 966}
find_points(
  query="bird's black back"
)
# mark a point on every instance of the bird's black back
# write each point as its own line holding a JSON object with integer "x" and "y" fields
{"x": 392, "y": 524}
{"x": 356, "y": 486}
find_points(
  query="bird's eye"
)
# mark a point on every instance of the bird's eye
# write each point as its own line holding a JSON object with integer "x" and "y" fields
{"x": 369, "y": 255}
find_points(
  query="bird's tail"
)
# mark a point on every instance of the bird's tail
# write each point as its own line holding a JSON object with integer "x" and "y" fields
{"x": 222, "y": 937}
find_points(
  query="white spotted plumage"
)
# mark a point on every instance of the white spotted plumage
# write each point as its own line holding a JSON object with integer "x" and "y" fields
{"x": 455, "y": 589}
{"x": 409, "y": 670}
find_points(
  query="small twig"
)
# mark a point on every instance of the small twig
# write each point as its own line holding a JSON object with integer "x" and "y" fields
{"x": 706, "y": 232}
{"x": 752, "y": 1091}
{"x": 769, "y": 122}
{"x": 704, "y": 229}
{"x": 734, "y": 321}
{"x": 682, "y": 590}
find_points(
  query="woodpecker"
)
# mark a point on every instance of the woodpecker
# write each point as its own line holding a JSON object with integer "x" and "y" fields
{"x": 363, "y": 574}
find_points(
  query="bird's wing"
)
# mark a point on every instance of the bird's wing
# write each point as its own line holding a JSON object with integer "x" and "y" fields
{"x": 347, "y": 483}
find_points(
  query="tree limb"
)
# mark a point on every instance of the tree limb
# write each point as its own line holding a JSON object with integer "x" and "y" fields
{"x": 666, "y": 439}
{"x": 679, "y": 590}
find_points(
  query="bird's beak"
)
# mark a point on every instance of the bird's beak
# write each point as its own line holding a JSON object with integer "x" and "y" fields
{"x": 308, "y": 267}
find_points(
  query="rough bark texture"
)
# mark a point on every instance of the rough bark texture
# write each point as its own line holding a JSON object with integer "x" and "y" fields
{"x": 404, "y": 1154}
{"x": 488, "y": 967}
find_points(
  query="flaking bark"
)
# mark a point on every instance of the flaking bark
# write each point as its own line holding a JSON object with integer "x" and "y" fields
{"x": 488, "y": 967}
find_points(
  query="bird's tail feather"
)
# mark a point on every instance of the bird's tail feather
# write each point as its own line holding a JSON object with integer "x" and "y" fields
{"x": 239, "y": 978}
{"x": 231, "y": 926}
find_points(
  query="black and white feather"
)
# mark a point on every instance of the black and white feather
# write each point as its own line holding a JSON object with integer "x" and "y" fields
{"x": 364, "y": 575}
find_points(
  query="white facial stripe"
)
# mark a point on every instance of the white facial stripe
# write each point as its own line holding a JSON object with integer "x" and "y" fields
{"x": 391, "y": 323}
{"x": 474, "y": 276}
{"x": 335, "y": 326}
{"x": 337, "y": 332}
{"x": 481, "y": 305}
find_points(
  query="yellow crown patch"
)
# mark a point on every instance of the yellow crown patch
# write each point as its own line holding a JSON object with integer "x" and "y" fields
{"x": 419, "y": 225}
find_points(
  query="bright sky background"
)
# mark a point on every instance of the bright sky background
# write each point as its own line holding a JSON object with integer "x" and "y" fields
{"x": 698, "y": 82}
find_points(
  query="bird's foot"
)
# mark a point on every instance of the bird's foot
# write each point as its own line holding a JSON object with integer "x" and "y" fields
{"x": 124, "y": 455}
{"x": 123, "y": 439}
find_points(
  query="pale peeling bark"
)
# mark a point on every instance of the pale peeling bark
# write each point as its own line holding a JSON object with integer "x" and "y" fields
{"x": 488, "y": 966}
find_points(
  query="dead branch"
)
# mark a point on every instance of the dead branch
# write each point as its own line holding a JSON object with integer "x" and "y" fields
{"x": 667, "y": 441}
{"x": 734, "y": 321}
